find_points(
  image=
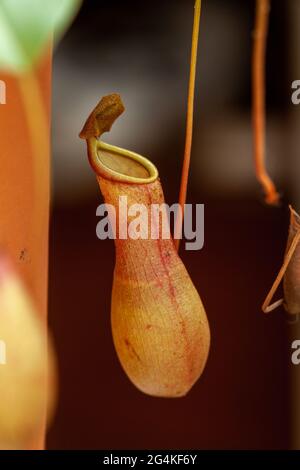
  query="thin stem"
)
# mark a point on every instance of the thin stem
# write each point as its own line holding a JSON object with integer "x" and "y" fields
{"x": 189, "y": 123}
{"x": 39, "y": 132}
{"x": 258, "y": 91}
{"x": 266, "y": 307}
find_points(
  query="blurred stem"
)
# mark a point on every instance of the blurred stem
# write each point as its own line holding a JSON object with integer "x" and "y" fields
{"x": 189, "y": 123}
{"x": 38, "y": 129}
{"x": 258, "y": 92}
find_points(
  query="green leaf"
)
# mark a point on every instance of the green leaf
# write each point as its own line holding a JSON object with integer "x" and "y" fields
{"x": 26, "y": 27}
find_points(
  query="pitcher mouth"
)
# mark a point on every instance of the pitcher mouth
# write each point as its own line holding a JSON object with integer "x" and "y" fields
{"x": 119, "y": 164}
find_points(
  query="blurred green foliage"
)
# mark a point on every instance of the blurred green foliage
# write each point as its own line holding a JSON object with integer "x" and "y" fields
{"x": 26, "y": 27}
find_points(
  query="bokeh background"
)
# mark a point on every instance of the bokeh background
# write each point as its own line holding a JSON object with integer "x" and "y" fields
{"x": 248, "y": 395}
